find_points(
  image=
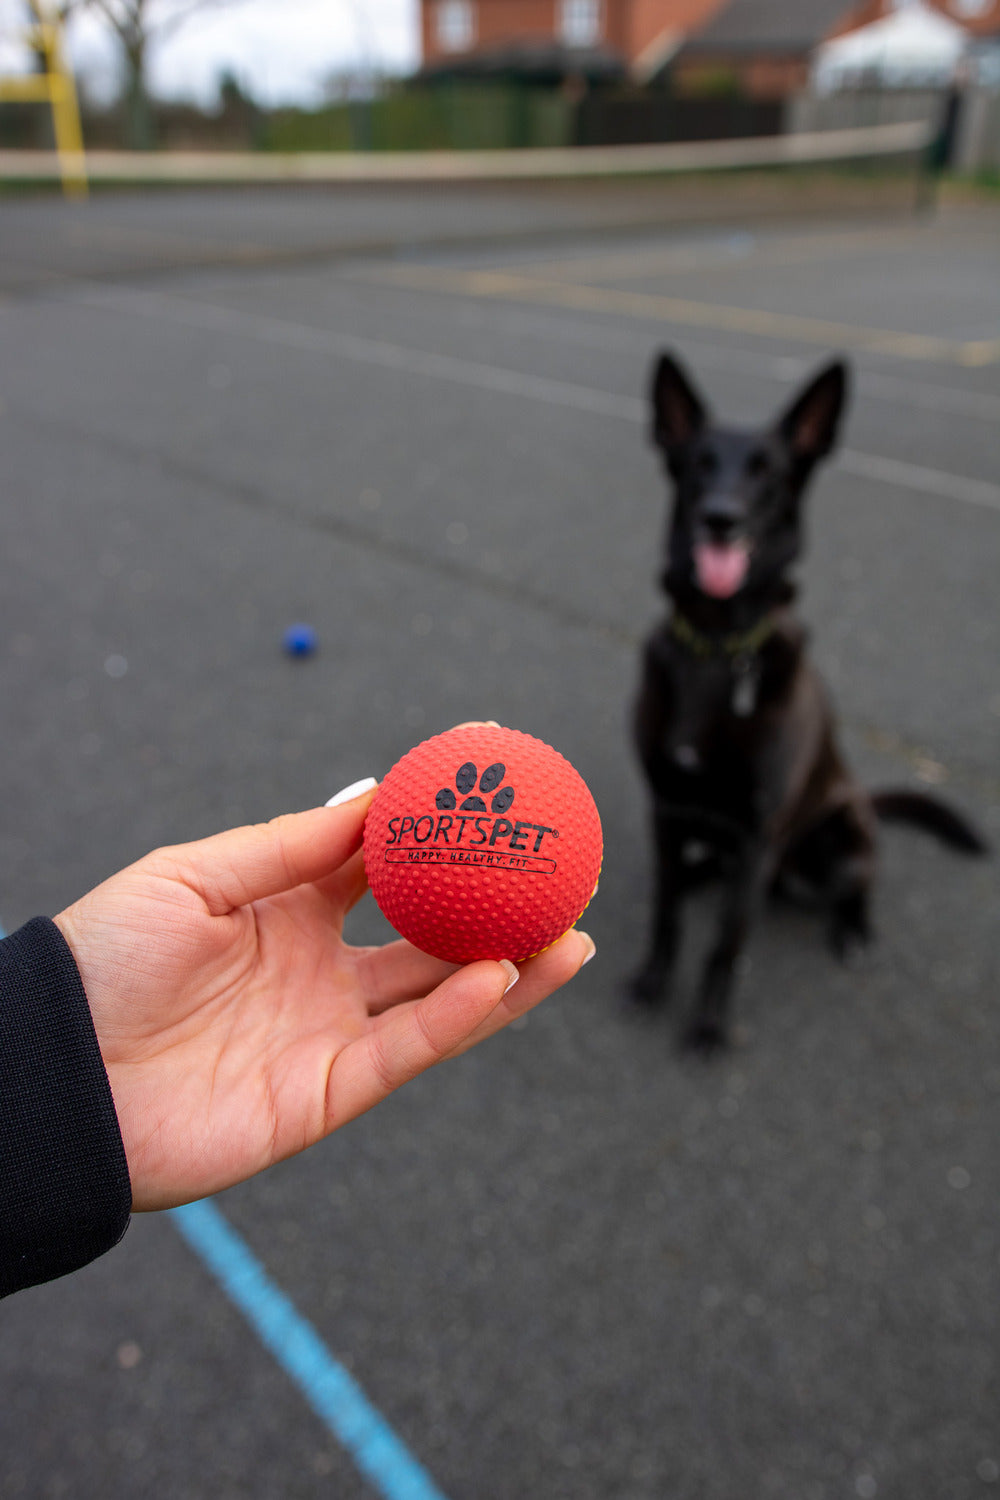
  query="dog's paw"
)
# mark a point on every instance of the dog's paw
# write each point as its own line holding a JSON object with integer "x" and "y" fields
{"x": 852, "y": 945}
{"x": 704, "y": 1038}
{"x": 649, "y": 989}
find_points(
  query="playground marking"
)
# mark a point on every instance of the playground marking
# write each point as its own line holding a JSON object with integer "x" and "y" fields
{"x": 473, "y": 374}
{"x": 331, "y": 1391}
{"x": 654, "y": 307}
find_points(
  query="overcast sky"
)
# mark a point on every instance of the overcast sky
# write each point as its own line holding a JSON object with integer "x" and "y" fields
{"x": 279, "y": 49}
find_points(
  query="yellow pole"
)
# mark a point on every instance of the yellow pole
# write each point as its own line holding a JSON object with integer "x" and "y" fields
{"x": 56, "y": 88}
{"x": 65, "y": 107}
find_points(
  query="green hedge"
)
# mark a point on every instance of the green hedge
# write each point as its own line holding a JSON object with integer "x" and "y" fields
{"x": 448, "y": 118}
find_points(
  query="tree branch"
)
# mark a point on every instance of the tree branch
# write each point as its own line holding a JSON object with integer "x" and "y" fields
{"x": 173, "y": 22}
{"x": 135, "y": 24}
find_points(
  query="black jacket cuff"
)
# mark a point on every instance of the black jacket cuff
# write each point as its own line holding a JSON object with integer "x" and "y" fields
{"x": 65, "y": 1194}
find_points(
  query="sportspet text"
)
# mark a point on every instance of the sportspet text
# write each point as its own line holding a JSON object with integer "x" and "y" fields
{"x": 452, "y": 830}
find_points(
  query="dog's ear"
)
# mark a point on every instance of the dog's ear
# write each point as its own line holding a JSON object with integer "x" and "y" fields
{"x": 810, "y": 424}
{"x": 678, "y": 412}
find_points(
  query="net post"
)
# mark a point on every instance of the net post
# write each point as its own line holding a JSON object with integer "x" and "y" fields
{"x": 54, "y": 86}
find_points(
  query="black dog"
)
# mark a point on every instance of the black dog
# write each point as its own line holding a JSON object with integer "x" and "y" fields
{"x": 733, "y": 726}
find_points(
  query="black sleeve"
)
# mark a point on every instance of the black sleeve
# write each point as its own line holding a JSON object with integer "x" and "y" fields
{"x": 65, "y": 1195}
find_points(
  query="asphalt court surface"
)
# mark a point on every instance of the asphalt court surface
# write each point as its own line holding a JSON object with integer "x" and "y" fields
{"x": 574, "y": 1264}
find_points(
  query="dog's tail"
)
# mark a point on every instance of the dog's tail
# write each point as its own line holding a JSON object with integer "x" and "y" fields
{"x": 931, "y": 814}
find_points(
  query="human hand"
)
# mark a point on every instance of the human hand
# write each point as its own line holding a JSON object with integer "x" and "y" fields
{"x": 236, "y": 1025}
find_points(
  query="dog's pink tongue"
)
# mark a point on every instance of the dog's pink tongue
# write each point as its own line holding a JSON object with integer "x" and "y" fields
{"x": 721, "y": 567}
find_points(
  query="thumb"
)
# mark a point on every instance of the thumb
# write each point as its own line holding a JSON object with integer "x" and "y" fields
{"x": 247, "y": 864}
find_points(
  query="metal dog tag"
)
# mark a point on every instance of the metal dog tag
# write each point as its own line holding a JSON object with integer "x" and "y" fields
{"x": 746, "y": 675}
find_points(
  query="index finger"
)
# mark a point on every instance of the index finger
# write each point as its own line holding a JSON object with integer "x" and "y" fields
{"x": 247, "y": 864}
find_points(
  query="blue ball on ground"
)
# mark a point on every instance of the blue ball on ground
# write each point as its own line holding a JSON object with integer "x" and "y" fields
{"x": 300, "y": 640}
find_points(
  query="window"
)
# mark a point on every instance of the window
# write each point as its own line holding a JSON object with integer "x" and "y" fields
{"x": 455, "y": 25}
{"x": 580, "y": 22}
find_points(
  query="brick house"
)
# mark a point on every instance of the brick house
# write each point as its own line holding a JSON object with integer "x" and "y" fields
{"x": 627, "y": 37}
{"x": 761, "y": 49}
{"x": 757, "y": 49}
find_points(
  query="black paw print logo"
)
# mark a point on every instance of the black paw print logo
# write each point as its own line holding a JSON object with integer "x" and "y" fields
{"x": 465, "y": 782}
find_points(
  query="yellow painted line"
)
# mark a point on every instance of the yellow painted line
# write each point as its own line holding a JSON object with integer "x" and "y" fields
{"x": 624, "y": 265}
{"x": 980, "y": 352}
{"x": 656, "y": 308}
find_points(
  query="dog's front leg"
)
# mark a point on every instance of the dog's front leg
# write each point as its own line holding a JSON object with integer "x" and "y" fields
{"x": 707, "y": 1030}
{"x": 651, "y": 985}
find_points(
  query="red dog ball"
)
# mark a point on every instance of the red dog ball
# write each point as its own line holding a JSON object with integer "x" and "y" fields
{"x": 482, "y": 843}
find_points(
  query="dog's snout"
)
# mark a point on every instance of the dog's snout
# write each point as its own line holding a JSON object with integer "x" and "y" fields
{"x": 722, "y": 516}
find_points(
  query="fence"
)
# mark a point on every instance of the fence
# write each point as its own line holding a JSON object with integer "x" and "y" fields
{"x": 976, "y": 144}
{"x": 977, "y": 148}
{"x": 851, "y": 109}
{"x": 449, "y": 117}
{"x": 620, "y": 120}
{"x": 498, "y": 116}
{"x": 505, "y": 116}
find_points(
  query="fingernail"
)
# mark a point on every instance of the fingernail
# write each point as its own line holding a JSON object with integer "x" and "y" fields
{"x": 512, "y": 974}
{"x": 356, "y": 789}
{"x": 591, "y": 947}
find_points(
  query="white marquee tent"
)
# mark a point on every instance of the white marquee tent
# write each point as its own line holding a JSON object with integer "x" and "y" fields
{"x": 914, "y": 45}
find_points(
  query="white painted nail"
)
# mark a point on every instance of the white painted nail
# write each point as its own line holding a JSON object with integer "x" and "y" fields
{"x": 512, "y": 973}
{"x": 356, "y": 789}
{"x": 592, "y": 946}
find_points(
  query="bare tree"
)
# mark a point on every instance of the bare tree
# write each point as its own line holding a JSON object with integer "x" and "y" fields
{"x": 43, "y": 13}
{"x": 138, "y": 24}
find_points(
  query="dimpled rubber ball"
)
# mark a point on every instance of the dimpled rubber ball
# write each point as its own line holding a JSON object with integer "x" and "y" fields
{"x": 482, "y": 843}
{"x": 300, "y": 640}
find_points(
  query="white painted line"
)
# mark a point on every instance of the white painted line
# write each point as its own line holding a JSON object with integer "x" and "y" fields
{"x": 915, "y": 477}
{"x": 207, "y": 317}
{"x": 785, "y": 369}
{"x": 924, "y": 396}
{"x": 452, "y": 368}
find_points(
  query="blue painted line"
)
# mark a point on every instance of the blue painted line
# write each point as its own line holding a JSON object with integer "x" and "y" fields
{"x": 331, "y": 1391}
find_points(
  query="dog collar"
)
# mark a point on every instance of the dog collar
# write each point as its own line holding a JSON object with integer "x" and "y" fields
{"x": 740, "y": 649}
{"x": 741, "y": 644}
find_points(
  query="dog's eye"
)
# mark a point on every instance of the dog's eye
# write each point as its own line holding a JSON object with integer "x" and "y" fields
{"x": 757, "y": 465}
{"x": 706, "y": 464}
